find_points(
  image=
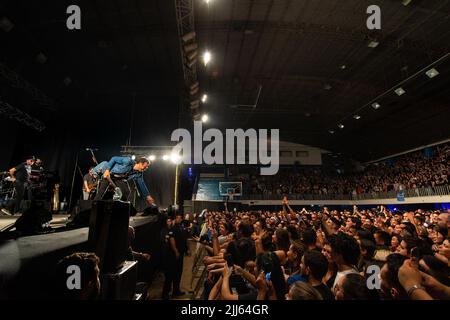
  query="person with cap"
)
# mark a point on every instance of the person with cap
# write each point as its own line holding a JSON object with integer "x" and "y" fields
{"x": 20, "y": 176}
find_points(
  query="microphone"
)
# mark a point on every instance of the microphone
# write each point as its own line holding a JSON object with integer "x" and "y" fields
{"x": 91, "y": 149}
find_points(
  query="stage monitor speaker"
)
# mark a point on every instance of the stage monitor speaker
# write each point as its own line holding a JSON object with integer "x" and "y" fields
{"x": 33, "y": 218}
{"x": 108, "y": 233}
{"x": 81, "y": 214}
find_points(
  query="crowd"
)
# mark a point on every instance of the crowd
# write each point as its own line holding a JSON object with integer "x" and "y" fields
{"x": 326, "y": 255}
{"x": 409, "y": 171}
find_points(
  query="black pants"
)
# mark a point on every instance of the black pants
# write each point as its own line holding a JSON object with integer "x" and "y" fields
{"x": 19, "y": 187}
{"x": 172, "y": 276}
{"x": 119, "y": 182}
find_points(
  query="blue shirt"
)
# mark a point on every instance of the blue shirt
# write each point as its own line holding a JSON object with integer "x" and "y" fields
{"x": 124, "y": 166}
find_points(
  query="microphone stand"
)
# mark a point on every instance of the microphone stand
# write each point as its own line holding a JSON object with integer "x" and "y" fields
{"x": 73, "y": 182}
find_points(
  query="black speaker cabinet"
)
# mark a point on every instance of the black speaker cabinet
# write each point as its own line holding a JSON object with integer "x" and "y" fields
{"x": 120, "y": 285}
{"x": 108, "y": 233}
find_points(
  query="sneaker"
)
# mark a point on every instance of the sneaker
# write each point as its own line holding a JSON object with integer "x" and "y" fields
{"x": 6, "y": 211}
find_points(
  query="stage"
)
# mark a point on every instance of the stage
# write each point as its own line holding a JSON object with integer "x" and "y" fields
{"x": 27, "y": 262}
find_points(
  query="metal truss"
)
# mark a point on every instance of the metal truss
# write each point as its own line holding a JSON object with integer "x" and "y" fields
{"x": 185, "y": 24}
{"x": 17, "y": 81}
{"x": 22, "y": 117}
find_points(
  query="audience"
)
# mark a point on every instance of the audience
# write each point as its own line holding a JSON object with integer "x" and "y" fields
{"x": 409, "y": 171}
{"x": 328, "y": 254}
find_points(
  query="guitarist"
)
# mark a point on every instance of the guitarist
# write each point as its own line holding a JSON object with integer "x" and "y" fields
{"x": 89, "y": 184}
{"x": 120, "y": 171}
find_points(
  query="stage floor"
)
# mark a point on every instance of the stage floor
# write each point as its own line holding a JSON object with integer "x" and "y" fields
{"x": 59, "y": 220}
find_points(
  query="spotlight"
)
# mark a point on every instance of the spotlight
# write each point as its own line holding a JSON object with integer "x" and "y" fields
{"x": 133, "y": 157}
{"x": 340, "y": 126}
{"x": 331, "y": 131}
{"x": 165, "y": 157}
{"x": 400, "y": 91}
{"x": 6, "y": 24}
{"x": 175, "y": 158}
{"x": 373, "y": 44}
{"x": 204, "y": 98}
{"x": 188, "y": 36}
{"x": 205, "y": 118}
{"x": 432, "y": 73}
{"x": 343, "y": 67}
{"x": 206, "y": 57}
{"x": 356, "y": 117}
{"x": 151, "y": 157}
{"x": 376, "y": 105}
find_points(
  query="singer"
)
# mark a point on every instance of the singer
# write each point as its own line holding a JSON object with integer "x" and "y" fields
{"x": 120, "y": 171}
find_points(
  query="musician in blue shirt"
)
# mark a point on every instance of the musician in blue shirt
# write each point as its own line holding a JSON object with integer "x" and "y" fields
{"x": 121, "y": 171}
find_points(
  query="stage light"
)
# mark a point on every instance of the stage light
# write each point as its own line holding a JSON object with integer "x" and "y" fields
{"x": 188, "y": 36}
{"x": 432, "y": 73}
{"x": 205, "y": 118}
{"x": 165, "y": 157}
{"x": 373, "y": 44}
{"x": 206, "y": 57}
{"x": 151, "y": 157}
{"x": 356, "y": 117}
{"x": 133, "y": 157}
{"x": 204, "y": 98}
{"x": 175, "y": 158}
{"x": 6, "y": 24}
{"x": 207, "y": 1}
{"x": 343, "y": 67}
{"x": 406, "y": 2}
{"x": 331, "y": 131}
{"x": 340, "y": 126}
{"x": 376, "y": 105}
{"x": 400, "y": 91}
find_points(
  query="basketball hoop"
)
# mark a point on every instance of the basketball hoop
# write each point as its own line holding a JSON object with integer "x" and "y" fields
{"x": 231, "y": 194}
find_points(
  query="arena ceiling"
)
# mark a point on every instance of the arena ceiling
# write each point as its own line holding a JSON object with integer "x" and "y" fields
{"x": 303, "y": 66}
